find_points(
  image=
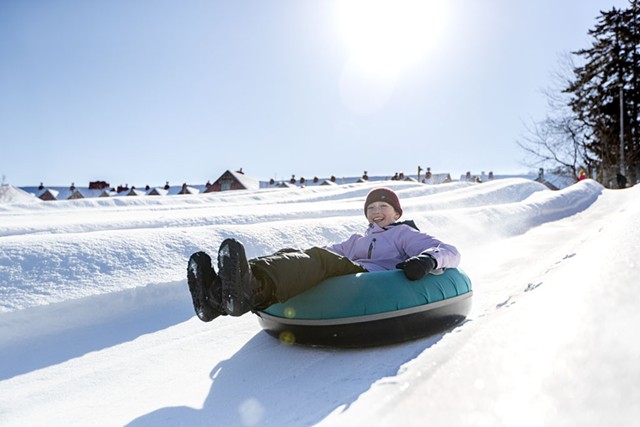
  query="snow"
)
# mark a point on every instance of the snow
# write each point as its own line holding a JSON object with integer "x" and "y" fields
{"x": 97, "y": 328}
{"x": 11, "y": 194}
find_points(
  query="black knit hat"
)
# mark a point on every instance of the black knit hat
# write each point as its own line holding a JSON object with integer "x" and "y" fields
{"x": 383, "y": 194}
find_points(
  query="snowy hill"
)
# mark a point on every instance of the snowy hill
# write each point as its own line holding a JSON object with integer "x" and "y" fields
{"x": 97, "y": 328}
{"x": 11, "y": 194}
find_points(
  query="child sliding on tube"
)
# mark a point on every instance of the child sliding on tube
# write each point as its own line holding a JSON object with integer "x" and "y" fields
{"x": 243, "y": 285}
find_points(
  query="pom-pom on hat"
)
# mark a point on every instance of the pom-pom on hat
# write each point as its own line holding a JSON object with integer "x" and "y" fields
{"x": 383, "y": 194}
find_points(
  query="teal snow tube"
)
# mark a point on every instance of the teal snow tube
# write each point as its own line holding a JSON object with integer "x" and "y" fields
{"x": 368, "y": 309}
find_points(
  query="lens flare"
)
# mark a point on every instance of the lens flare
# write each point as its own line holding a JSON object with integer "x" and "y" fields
{"x": 287, "y": 337}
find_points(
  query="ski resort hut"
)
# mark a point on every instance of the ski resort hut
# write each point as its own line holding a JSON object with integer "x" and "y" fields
{"x": 234, "y": 181}
{"x": 158, "y": 191}
{"x": 285, "y": 184}
{"x": 188, "y": 190}
{"x": 48, "y": 194}
{"x": 135, "y": 192}
{"x": 75, "y": 194}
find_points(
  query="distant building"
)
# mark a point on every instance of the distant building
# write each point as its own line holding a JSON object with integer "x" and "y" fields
{"x": 233, "y": 181}
{"x": 48, "y": 194}
{"x": 285, "y": 184}
{"x": 134, "y": 192}
{"x": 75, "y": 194}
{"x": 157, "y": 192}
{"x": 188, "y": 190}
{"x": 98, "y": 185}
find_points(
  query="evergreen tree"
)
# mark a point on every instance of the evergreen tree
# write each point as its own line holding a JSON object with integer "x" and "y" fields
{"x": 597, "y": 104}
{"x": 609, "y": 74}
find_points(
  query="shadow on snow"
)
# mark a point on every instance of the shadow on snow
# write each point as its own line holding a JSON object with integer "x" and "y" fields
{"x": 294, "y": 385}
{"x": 47, "y": 335}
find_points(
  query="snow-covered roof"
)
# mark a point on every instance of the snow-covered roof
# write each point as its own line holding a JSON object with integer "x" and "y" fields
{"x": 132, "y": 192}
{"x": 158, "y": 191}
{"x": 63, "y": 193}
{"x": 53, "y": 193}
{"x": 247, "y": 182}
{"x": 187, "y": 189}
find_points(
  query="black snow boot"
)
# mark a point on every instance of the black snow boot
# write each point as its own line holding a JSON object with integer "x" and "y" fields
{"x": 205, "y": 288}
{"x": 241, "y": 290}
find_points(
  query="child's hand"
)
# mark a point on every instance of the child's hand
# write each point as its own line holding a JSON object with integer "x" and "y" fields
{"x": 418, "y": 266}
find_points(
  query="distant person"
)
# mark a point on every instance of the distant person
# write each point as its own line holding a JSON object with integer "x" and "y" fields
{"x": 622, "y": 180}
{"x": 582, "y": 175}
{"x": 243, "y": 285}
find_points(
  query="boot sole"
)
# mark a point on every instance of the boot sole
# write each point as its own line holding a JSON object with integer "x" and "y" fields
{"x": 199, "y": 277}
{"x": 231, "y": 257}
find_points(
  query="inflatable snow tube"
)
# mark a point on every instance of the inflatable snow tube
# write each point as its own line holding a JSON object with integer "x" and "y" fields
{"x": 368, "y": 309}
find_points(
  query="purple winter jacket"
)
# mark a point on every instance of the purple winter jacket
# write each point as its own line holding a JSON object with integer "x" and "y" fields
{"x": 383, "y": 248}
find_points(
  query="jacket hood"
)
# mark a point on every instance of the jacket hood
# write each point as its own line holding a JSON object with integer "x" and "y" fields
{"x": 408, "y": 222}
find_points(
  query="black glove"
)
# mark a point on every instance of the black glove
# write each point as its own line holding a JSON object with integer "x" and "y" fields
{"x": 418, "y": 266}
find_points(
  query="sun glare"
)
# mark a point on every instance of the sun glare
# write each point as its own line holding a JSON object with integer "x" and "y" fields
{"x": 382, "y": 38}
{"x": 389, "y": 35}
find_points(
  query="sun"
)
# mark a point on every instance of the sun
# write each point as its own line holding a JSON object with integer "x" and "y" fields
{"x": 389, "y": 35}
{"x": 383, "y": 38}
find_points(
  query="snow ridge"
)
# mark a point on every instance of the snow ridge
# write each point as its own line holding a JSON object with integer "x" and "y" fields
{"x": 96, "y": 320}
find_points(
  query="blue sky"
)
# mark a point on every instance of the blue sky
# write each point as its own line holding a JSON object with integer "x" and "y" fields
{"x": 141, "y": 92}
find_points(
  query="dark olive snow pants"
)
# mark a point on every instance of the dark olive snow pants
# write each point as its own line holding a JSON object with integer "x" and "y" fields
{"x": 293, "y": 271}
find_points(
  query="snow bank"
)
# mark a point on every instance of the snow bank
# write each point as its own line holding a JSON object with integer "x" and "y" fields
{"x": 11, "y": 194}
{"x": 97, "y": 325}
